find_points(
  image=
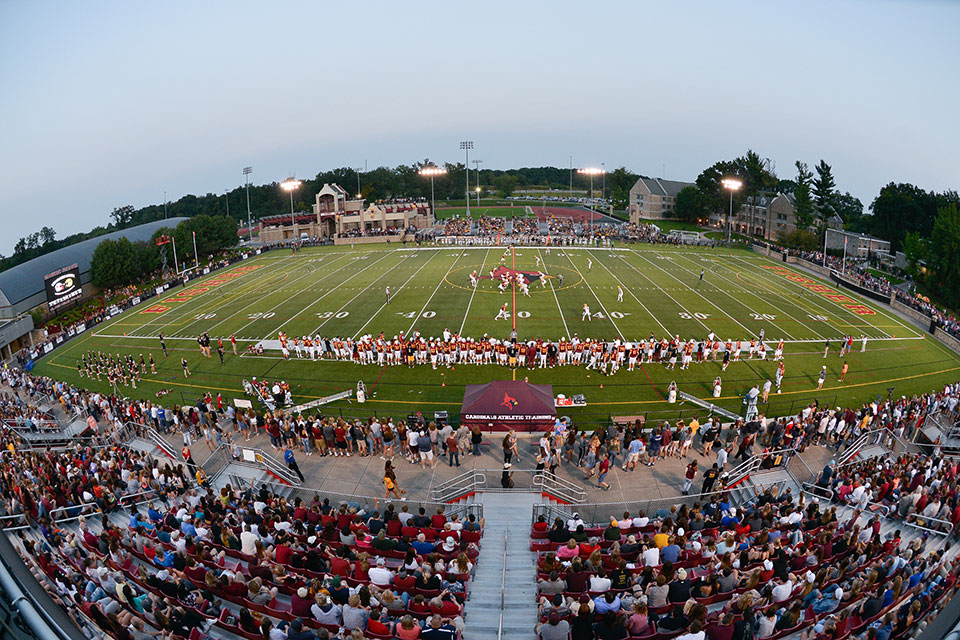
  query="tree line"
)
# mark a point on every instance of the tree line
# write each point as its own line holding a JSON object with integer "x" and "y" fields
{"x": 381, "y": 183}
{"x": 117, "y": 263}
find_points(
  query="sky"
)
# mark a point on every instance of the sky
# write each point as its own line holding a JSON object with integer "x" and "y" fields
{"x": 111, "y": 103}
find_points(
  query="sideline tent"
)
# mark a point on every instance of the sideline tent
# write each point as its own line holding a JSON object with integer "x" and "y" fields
{"x": 509, "y": 404}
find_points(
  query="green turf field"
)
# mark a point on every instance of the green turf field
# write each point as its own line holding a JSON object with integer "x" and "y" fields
{"x": 337, "y": 291}
{"x": 482, "y": 210}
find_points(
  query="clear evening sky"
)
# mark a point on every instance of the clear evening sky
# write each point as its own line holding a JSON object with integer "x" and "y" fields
{"x": 111, "y": 103}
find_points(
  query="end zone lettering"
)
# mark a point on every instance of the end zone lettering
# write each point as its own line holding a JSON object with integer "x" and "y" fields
{"x": 199, "y": 289}
{"x": 827, "y": 292}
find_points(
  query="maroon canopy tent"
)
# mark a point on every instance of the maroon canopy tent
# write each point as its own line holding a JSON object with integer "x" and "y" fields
{"x": 509, "y": 404}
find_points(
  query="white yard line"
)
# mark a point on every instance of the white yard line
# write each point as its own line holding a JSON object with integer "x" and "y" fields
{"x": 836, "y": 304}
{"x": 662, "y": 290}
{"x": 362, "y": 291}
{"x": 804, "y": 308}
{"x": 710, "y": 302}
{"x": 400, "y": 288}
{"x": 627, "y": 289}
{"x": 473, "y": 293}
{"x": 734, "y": 298}
{"x": 559, "y": 310}
{"x": 324, "y": 295}
{"x": 184, "y": 309}
{"x": 439, "y": 284}
{"x": 602, "y": 308}
{"x": 258, "y": 300}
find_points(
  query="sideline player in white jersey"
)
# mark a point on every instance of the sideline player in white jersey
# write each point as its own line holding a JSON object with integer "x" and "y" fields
{"x": 586, "y": 313}
{"x": 503, "y": 315}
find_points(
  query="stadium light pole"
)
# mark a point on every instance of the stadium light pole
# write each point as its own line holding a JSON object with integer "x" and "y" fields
{"x": 164, "y": 205}
{"x": 466, "y": 145}
{"x": 603, "y": 176}
{"x": 290, "y": 185}
{"x": 730, "y": 184}
{"x": 246, "y": 184}
{"x": 432, "y": 171}
{"x": 477, "y": 163}
{"x": 591, "y": 171}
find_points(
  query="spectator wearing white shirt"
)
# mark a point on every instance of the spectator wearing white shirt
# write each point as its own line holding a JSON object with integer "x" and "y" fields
{"x": 781, "y": 592}
{"x": 380, "y": 575}
{"x": 651, "y": 556}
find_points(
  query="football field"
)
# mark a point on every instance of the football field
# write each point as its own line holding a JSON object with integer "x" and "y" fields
{"x": 341, "y": 292}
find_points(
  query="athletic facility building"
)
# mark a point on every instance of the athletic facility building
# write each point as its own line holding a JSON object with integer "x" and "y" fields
{"x": 37, "y": 282}
{"x": 335, "y": 214}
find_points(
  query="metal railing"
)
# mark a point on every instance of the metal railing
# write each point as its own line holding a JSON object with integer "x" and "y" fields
{"x": 459, "y": 486}
{"x": 558, "y": 487}
{"x": 709, "y": 406}
{"x": 755, "y": 463}
{"x": 216, "y": 463}
{"x": 269, "y": 464}
{"x": 132, "y": 430}
{"x": 599, "y": 513}
{"x": 492, "y": 480}
{"x": 461, "y": 510}
{"x": 503, "y": 584}
{"x": 815, "y": 490}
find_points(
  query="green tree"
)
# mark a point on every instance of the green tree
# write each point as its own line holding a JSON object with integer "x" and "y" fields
{"x": 505, "y": 185}
{"x": 943, "y": 259}
{"x": 850, "y": 209}
{"x": 619, "y": 183}
{"x": 824, "y": 193}
{"x": 47, "y": 235}
{"x": 916, "y": 249}
{"x": 802, "y": 199}
{"x": 902, "y": 208}
{"x": 115, "y": 263}
{"x": 122, "y": 216}
{"x": 689, "y": 206}
{"x": 801, "y": 239}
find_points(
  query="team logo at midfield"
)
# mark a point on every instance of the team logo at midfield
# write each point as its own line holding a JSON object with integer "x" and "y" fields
{"x": 509, "y": 402}
{"x": 501, "y": 272}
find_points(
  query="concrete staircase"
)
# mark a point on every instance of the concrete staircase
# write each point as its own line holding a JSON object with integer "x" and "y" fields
{"x": 506, "y": 537}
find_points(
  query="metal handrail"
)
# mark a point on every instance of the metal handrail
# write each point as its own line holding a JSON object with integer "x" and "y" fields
{"x": 458, "y": 486}
{"x": 854, "y": 449}
{"x": 552, "y": 484}
{"x": 461, "y": 510}
{"x": 926, "y": 519}
{"x": 22, "y": 516}
{"x": 752, "y": 464}
{"x": 216, "y": 462}
{"x": 273, "y": 466}
{"x": 815, "y": 488}
{"x": 503, "y": 584}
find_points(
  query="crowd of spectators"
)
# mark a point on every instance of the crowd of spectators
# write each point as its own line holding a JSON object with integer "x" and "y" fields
{"x": 190, "y": 558}
{"x": 778, "y": 566}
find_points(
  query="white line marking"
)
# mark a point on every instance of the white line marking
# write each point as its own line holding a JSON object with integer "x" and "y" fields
{"x": 439, "y": 284}
{"x": 473, "y": 293}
